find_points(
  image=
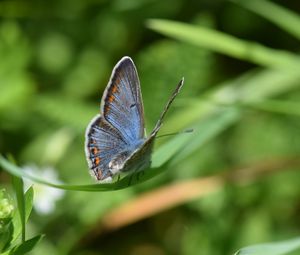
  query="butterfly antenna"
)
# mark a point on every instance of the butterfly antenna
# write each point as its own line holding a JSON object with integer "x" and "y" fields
{"x": 177, "y": 133}
{"x": 174, "y": 94}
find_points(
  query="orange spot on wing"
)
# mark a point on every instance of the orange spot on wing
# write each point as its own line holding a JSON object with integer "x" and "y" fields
{"x": 97, "y": 161}
{"x": 95, "y": 150}
{"x": 111, "y": 98}
{"x": 114, "y": 89}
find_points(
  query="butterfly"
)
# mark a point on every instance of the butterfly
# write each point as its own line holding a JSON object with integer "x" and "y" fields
{"x": 115, "y": 139}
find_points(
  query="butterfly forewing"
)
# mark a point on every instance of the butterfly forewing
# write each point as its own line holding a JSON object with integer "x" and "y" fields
{"x": 122, "y": 103}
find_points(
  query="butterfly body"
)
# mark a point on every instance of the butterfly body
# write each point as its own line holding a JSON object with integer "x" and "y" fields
{"x": 115, "y": 140}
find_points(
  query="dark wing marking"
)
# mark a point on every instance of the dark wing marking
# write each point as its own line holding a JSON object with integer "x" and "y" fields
{"x": 103, "y": 142}
{"x": 122, "y": 104}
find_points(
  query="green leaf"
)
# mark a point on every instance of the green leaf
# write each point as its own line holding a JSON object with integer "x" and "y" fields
{"x": 19, "y": 186}
{"x": 226, "y": 44}
{"x": 28, "y": 202}
{"x": 127, "y": 181}
{"x": 288, "y": 21}
{"x": 276, "y": 248}
{"x": 17, "y": 171}
{"x": 130, "y": 179}
{"x": 27, "y": 246}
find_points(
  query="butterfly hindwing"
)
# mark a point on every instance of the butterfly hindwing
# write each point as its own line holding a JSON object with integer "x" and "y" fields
{"x": 103, "y": 142}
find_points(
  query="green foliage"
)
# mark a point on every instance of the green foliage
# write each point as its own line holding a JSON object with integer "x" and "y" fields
{"x": 26, "y": 246}
{"x": 22, "y": 214}
{"x": 12, "y": 224}
{"x": 6, "y": 213}
{"x": 241, "y": 96}
{"x": 19, "y": 187}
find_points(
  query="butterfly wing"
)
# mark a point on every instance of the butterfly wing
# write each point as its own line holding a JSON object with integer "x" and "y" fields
{"x": 113, "y": 136}
{"x": 122, "y": 104}
{"x": 141, "y": 157}
{"x": 102, "y": 143}
{"x": 167, "y": 106}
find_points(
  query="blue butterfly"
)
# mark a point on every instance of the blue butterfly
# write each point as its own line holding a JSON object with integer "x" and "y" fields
{"x": 115, "y": 139}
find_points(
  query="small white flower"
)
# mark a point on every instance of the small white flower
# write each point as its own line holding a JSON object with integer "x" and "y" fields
{"x": 45, "y": 197}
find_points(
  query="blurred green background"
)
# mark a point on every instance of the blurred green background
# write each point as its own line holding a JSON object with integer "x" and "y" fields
{"x": 55, "y": 61}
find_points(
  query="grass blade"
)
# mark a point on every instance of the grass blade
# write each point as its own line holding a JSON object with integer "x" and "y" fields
{"x": 226, "y": 44}
{"x": 17, "y": 224}
{"x": 19, "y": 187}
